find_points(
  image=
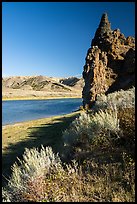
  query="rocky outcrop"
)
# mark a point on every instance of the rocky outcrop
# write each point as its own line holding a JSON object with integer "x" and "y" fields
{"x": 110, "y": 63}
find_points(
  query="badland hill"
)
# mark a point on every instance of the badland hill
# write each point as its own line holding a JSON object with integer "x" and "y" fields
{"x": 41, "y": 86}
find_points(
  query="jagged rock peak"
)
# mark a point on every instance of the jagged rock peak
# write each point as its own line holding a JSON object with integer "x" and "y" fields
{"x": 104, "y": 21}
{"x": 110, "y": 63}
{"x": 104, "y": 17}
{"x": 104, "y": 27}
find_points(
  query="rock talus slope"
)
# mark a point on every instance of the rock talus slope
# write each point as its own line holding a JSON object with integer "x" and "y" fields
{"x": 110, "y": 63}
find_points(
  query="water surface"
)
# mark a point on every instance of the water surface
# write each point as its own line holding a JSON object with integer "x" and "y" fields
{"x": 24, "y": 110}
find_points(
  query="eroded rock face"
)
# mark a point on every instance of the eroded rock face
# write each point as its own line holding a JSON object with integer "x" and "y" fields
{"x": 110, "y": 63}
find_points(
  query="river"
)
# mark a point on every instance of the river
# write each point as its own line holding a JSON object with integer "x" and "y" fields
{"x": 25, "y": 110}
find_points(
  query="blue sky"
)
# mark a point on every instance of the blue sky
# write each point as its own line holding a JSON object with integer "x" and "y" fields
{"x": 52, "y": 38}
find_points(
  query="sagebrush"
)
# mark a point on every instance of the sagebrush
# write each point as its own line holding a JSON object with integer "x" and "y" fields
{"x": 98, "y": 159}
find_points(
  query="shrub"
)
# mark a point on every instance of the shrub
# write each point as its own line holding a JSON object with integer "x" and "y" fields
{"x": 80, "y": 126}
{"x": 31, "y": 171}
{"x": 121, "y": 99}
{"x": 69, "y": 183}
{"x": 88, "y": 126}
{"x": 41, "y": 176}
{"x": 107, "y": 120}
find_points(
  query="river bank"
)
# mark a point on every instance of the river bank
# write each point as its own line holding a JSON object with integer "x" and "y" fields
{"x": 17, "y": 137}
{"x": 38, "y": 98}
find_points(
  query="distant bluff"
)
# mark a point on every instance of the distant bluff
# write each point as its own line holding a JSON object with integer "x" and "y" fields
{"x": 110, "y": 63}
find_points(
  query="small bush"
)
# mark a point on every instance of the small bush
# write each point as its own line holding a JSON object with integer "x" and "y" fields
{"x": 121, "y": 99}
{"x": 79, "y": 127}
{"x": 31, "y": 171}
{"x": 69, "y": 183}
{"x": 107, "y": 120}
{"x": 41, "y": 176}
{"x": 88, "y": 126}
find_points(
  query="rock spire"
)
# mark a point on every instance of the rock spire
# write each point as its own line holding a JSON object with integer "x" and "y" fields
{"x": 104, "y": 27}
{"x": 110, "y": 63}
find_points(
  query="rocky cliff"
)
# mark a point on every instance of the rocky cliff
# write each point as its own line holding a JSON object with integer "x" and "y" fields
{"x": 110, "y": 63}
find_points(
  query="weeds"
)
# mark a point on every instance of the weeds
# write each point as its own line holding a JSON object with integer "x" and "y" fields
{"x": 69, "y": 183}
{"x": 103, "y": 170}
{"x": 87, "y": 127}
{"x": 121, "y": 99}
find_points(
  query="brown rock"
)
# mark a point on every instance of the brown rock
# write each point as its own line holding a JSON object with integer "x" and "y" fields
{"x": 94, "y": 75}
{"x": 129, "y": 63}
{"x": 110, "y": 63}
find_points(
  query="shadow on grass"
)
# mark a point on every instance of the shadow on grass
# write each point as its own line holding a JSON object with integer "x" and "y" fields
{"x": 46, "y": 134}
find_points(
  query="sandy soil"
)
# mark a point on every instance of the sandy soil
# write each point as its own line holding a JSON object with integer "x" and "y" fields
{"x": 8, "y": 93}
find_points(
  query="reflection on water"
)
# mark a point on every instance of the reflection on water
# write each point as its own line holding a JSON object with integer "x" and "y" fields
{"x": 23, "y": 110}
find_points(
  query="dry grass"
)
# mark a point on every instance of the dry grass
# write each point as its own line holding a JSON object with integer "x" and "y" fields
{"x": 17, "y": 137}
{"x": 42, "y": 177}
{"x": 100, "y": 161}
{"x": 120, "y": 99}
{"x": 52, "y": 96}
{"x": 100, "y": 126}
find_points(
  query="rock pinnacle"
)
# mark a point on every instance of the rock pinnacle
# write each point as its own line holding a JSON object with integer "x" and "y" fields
{"x": 110, "y": 63}
{"x": 104, "y": 28}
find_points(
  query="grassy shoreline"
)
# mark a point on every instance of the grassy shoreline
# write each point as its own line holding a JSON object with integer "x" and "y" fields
{"x": 38, "y": 98}
{"x": 30, "y": 123}
{"x": 46, "y": 131}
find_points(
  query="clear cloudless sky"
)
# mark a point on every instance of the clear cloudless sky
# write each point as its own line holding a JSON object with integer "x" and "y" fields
{"x": 52, "y": 38}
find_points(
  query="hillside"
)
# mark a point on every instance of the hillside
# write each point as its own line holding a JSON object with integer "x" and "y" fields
{"x": 41, "y": 86}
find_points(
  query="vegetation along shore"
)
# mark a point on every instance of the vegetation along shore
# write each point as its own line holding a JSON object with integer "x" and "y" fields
{"x": 18, "y": 136}
{"x": 38, "y": 98}
{"x": 82, "y": 156}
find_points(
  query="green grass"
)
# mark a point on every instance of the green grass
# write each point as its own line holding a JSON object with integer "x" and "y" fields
{"x": 37, "y": 97}
{"x": 47, "y": 131}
